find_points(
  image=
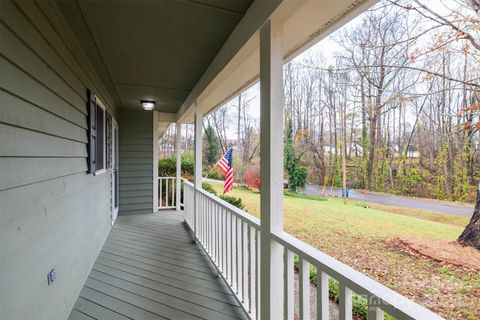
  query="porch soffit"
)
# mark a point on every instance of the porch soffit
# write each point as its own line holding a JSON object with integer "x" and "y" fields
{"x": 152, "y": 49}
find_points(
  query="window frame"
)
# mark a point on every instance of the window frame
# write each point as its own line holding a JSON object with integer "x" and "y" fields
{"x": 98, "y": 171}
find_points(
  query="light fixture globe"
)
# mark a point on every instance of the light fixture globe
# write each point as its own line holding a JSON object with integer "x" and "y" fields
{"x": 148, "y": 105}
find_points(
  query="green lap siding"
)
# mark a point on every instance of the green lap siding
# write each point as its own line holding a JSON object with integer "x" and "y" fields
{"x": 53, "y": 215}
{"x": 136, "y": 162}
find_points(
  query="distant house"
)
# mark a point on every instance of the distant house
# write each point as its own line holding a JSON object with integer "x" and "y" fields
{"x": 354, "y": 148}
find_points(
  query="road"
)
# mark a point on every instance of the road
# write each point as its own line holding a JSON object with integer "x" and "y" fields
{"x": 400, "y": 201}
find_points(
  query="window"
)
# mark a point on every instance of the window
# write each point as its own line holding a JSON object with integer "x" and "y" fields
{"x": 97, "y": 144}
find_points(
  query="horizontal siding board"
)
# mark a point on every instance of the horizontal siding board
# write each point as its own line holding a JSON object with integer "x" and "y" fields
{"x": 136, "y": 199}
{"x": 137, "y": 160}
{"x": 17, "y": 112}
{"x": 136, "y": 167}
{"x": 22, "y": 56}
{"x": 147, "y": 182}
{"x": 21, "y": 84}
{"x": 134, "y": 154}
{"x": 17, "y": 172}
{"x": 138, "y": 174}
{"x": 136, "y": 147}
{"x": 19, "y": 201}
{"x": 17, "y": 142}
{"x": 137, "y": 193}
{"x": 24, "y": 30}
{"x": 135, "y": 187}
{"x": 136, "y": 141}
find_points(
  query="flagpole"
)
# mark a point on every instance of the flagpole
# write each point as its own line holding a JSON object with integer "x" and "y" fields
{"x": 211, "y": 170}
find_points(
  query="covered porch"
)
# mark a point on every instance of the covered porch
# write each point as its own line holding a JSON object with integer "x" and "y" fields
{"x": 202, "y": 259}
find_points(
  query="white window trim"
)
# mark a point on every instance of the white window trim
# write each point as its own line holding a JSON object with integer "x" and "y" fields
{"x": 104, "y": 169}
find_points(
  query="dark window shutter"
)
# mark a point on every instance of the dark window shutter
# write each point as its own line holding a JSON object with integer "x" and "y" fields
{"x": 108, "y": 137}
{"x": 92, "y": 132}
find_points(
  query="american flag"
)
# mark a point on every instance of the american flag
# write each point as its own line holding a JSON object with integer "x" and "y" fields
{"x": 226, "y": 165}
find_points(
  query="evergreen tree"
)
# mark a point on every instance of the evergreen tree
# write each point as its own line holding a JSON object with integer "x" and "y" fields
{"x": 211, "y": 151}
{"x": 297, "y": 176}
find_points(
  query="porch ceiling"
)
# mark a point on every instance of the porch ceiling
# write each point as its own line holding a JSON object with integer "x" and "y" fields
{"x": 152, "y": 49}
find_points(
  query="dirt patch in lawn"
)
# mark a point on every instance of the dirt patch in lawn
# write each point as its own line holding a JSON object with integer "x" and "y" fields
{"x": 442, "y": 251}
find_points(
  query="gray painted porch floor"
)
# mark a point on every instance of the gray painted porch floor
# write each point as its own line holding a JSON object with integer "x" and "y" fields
{"x": 149, "y": 269}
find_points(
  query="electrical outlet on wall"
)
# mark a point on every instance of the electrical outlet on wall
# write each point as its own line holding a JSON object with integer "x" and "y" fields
{"x": 51, "y": 276}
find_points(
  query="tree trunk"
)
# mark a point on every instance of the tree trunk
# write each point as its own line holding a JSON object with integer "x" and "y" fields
{"x": 471, "y": 235}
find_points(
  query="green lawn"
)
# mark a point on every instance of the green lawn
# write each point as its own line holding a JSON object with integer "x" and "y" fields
{"x": 354, "y": 234}
{"x": 353, "y": 218}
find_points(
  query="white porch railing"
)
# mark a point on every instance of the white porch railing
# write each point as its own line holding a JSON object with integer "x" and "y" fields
{"x": 231, "y": 237}
{"x": 166, "y": 193}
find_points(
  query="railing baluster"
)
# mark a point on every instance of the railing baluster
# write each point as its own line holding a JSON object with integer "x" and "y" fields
{"x": 257, "y": 273}
{"x": 374, "y": 312}
{"x": 323, "y": 303}
{"x": 160, "y": 196}
{"x": 250, "y": 276}
{"x": 214, "y": 232}
{"x": 304, "y": 288}
{"x": 232, "y": 254}
{"x": 227, "y": 244}
{"x": 289, "y": 281}
{"x": 345, "y": 302}
{"x": 222, "y": 239}
{"x": 237, "y": 264}
{"x": 166, "y": 192}
{"x": 244, "y": 261}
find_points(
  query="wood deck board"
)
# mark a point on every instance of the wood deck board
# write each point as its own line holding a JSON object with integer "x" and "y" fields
{"x": 150, "y": 269}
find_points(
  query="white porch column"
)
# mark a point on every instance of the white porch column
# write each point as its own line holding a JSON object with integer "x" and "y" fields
{"x": 178, "y": 150}
{"x": 198, "y": 159}
{"x": 155, "y": 161}
{"x": 271, "y": 169}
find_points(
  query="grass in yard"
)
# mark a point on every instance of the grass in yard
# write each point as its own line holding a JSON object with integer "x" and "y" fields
{"x": 422, "y": 214}
{"x": 363, "y": 238}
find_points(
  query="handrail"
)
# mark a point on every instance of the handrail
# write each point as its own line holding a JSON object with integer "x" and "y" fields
{"x": 390, "y": 301}
{"x": 253, "y": 221}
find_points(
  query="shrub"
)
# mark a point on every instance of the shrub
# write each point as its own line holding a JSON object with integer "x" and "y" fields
{"x": 252, "y": 176}
{"x": 209, "y": 188}
{"x": 237, "y": 202}
{"x": 167, "y": 167}
{"x": 297, "y": 178}
{"x": 359, "y": 303}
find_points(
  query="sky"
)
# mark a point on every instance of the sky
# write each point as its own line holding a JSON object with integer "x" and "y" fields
{"x": 327, "y": 47}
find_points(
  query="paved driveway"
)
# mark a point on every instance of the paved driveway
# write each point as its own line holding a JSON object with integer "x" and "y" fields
{"x": 400, "y": 201}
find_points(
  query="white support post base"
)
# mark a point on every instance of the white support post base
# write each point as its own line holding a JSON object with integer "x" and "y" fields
{"x": 271, "y": 170}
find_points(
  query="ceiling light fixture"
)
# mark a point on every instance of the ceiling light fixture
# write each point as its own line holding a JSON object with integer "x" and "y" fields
{"x": 148, "y": 105}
